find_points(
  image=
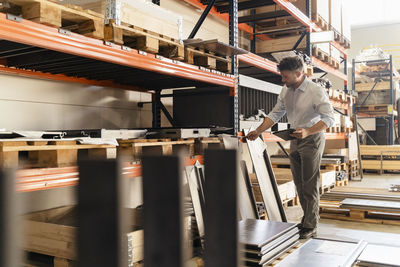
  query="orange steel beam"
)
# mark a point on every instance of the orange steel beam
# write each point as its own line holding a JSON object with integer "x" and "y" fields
{"x": 242, "y": 26}
{"x": 259, "y": 62}
{"x": 28, "y": 180}
{"x": 64, "y": 78}
{"x": 325, "y": 67}
{"x": 31, "y": 33}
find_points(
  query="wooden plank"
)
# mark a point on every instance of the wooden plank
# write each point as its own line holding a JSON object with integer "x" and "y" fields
{"x": 376, "y": 164}
{"x": 362, "y": 87}
{"x": 279, "y": 44}
{"x": 375, "y": 150}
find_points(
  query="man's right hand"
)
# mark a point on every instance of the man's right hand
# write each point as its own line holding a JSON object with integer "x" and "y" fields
{"x": 253, "y": 135}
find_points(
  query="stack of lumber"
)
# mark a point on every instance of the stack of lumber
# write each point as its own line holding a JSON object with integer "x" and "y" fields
{"x": 53, "y": 233}
{"x": 361, "y": 204}
{"x": 380, "y": 157}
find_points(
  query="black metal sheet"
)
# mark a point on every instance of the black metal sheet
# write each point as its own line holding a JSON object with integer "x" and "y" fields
{"x": 162, "y": 199}
{"x": 256, "y": 234}
{"x": 215, "y": 46}
{"x": 221, "y": 247}
{"x": 9, "y": 252}
{"x": 273, "y": 252}
{"x": 102, "y": 225}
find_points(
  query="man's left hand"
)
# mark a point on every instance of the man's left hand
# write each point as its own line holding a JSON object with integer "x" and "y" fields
{"x": 300, "y": 133}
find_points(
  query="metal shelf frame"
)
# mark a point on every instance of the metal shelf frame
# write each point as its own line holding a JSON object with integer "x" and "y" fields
{"x": 392, "y": 74}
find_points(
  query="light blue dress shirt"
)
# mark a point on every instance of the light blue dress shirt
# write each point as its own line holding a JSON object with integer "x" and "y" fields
{"x": 304, "y": 106}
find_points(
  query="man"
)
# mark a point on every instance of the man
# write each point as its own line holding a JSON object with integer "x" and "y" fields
{"x": 309, "y": 112}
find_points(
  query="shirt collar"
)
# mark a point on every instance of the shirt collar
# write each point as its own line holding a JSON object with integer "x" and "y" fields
{"x": 303, "y": 85}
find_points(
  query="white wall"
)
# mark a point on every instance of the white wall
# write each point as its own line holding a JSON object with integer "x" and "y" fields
{"x": 33, "y": 104}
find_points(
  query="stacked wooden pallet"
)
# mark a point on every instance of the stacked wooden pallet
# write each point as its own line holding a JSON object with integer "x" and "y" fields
{"x": 49, "y": 153}
{"x": 135, "y": 148}
{"x": 374, "y": 205}
{"x": 380, "y": 158}
{"x": 162, "y": 40}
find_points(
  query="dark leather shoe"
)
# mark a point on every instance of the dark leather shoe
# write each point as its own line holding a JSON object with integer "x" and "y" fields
{"x": 306, "y": 233}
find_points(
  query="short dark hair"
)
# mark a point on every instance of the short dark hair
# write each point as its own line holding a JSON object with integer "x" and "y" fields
{"x": 291, "y": 64}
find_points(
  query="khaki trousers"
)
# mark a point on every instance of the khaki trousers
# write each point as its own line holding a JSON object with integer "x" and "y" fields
{"x": 305, "y": 160}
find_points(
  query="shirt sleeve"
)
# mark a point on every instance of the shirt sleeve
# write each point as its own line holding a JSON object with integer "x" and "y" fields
{"x": 279, "y": 110}
{"x": 323, "y": 107}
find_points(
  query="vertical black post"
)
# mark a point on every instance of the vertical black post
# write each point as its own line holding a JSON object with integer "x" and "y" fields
{"x": 392, "y": 102}
{"x": 156, "y": 109}
{"x": 102, "y": 240}
{"x": 346, "y": 89}
{"x": 233, "y": 40}
{"x": 8, "y": 221}
{"x": 220, "y": 218}
{"x": 308, "y": 36}
{"x": 163, "y": 220}
{"x": 253, "y": 40}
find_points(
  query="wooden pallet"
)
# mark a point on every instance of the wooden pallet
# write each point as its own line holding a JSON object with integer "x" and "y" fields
{"x": 49, "y": 153}
{"x": 144, "y": 40}
{"x": 40, "y": 260}
{"x": 321, "y": 55}
{"x": 334, "y": 129}
{"x": 135, "y": 148}
{"x": 378, "y": 109}
{"x": 208, "y": 60}
{"x": 344, "y": 182}
{"x": 284, "y": 255}
{"x": 345, "y": 42}
{"x": 332, "y": 210}
{"x": 201, "y": 144}
{"x": 71, "y": 18}
{"x": 324, "y": 189}
{"x": 291, "y": 202}
{"x": 321, "y": 23}
{"x": 53, "y": 233}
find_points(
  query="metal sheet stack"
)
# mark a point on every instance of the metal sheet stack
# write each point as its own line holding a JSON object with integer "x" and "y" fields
{"x": 375, "y": 255}
{"x": 264, "y": 241}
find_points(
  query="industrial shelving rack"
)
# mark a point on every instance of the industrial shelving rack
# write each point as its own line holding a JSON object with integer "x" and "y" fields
{"x": 391, "y": 74}
{"x": 38, "y": 51}
{"x": 258, "y": 67}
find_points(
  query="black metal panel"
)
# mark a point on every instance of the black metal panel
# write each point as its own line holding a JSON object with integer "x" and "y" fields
{"x": 163, "y": 212}
{"x": 102, "y": 240}
{"x": 252, "y": 100}
{"x": 203, "y": 107}
{"x": 220, "y": 218}
{"x": 8, "y": 216}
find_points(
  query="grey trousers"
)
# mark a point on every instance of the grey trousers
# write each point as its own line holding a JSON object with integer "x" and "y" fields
{"x": 305, "y": 160}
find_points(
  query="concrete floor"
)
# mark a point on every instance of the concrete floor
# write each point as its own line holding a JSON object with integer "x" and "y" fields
{"x": 344, "y": 230}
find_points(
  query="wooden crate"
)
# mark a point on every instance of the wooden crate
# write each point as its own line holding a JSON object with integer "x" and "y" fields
{"x": 201, "y": 144}
{"x": 52, "y": 14}
{"x": 49, "y": 153}
{"x": 53, "y": 233}
{"x": 135, "y": 148}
